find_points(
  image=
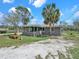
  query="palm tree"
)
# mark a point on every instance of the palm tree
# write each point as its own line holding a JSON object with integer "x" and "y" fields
{"x": 50, "y": 14}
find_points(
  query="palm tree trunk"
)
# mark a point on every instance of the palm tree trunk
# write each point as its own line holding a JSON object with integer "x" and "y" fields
{"x": 50, "y": 27}
{"x": 53, "y": 27}
{"x": 50, "y": 30}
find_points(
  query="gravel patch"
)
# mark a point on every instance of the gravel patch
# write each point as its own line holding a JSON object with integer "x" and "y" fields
{"x": 31, "y": 51}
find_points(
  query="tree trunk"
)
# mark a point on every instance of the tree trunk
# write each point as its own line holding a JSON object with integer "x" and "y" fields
{"x": 50, "y": 30}
{"x": 50, "y": 27}
{"x": 17, "y": 33}
{"x": 17, "y": 30}
{"x": 53, "y": 27}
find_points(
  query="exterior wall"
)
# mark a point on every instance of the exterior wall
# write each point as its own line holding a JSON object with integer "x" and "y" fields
{"x": 42, "y": 31}
{"x": 55, "y": 31}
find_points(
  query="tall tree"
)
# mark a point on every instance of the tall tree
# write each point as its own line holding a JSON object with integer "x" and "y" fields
{"x": 50, "y": 14}
{"x": 12, "y": 19}
{"x": 25, "y": 14}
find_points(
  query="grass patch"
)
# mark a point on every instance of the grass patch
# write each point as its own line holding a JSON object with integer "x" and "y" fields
{"x": 75, "y": 52}
{"x": 71, "y": 35}
{"x": 7, "y": 42}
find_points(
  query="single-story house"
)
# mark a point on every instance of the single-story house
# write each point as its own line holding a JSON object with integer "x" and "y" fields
{"x": 31, "y": 30}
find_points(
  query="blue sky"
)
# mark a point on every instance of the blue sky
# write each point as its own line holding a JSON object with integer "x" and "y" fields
{"x": 69, "y": 8}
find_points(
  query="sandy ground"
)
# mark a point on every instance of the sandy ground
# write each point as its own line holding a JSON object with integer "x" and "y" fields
{"x": 41, "y": 48}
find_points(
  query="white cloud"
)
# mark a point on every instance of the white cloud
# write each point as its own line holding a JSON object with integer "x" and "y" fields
{"x": 76, "y": 14}
{"x": 31, "y": 1}
{"x": 38, "y": 3}
{"x": 1, "y": 14}
{"x": 33, "y": 21}
{"x": 12, "y": 10}
{"x": 36, "y": 21}
{"x": 1, "y": 17}
{"x": 8, "y": 1}
{"x": 74, "y": 7}
{"x": 61, "y": 13}
{"x": 29, "y": 9}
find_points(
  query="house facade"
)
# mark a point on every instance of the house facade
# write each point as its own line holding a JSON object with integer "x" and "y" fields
{"x": 31, "y": 30}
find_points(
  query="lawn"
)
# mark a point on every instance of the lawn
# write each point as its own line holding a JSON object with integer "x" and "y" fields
{"x": 71, "y": 35}
{"x": 74, "y": 36}
{"x": 75, "y": 52}
{"x": 7, "y": 42}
